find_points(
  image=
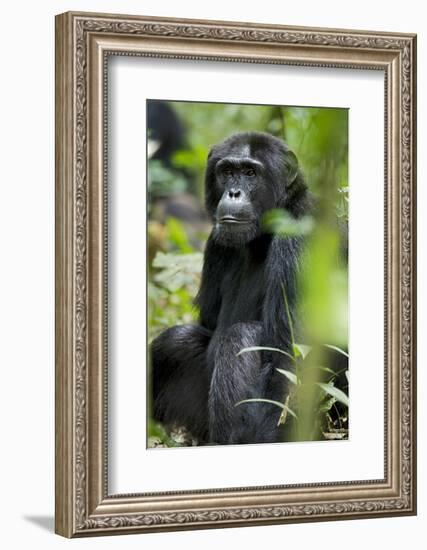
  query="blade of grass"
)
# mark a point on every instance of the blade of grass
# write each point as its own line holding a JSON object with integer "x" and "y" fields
{"x": 265, "y": 348}
{"x": 277, "y": 403}
{"x": 335, "y": 348}
{"x": 302, "y": 350}
{"x": 335, "y": 392}
{"x": 288, "y": 314}
{"x": 289, "y": 375}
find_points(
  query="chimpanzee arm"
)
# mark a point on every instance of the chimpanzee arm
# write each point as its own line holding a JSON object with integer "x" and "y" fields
{"x": 208, "y": 299}
{"x": 279, "y": 319}
{"x": 180, "y": 378}
{"x": 237, "y": 377}
{"x": 278, "y": 313}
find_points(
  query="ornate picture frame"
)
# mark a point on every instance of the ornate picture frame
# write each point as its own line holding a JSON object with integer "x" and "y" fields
{"x": 84, "y": 42}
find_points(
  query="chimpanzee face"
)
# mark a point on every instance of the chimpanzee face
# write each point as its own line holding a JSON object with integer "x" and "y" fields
{"x": 246, "y": 177}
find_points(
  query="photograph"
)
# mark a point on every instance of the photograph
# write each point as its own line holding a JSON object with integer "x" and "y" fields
{"x": 247, "y": 270}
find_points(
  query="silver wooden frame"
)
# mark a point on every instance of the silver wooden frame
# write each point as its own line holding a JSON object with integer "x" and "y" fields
{"x": 83, "y": 43}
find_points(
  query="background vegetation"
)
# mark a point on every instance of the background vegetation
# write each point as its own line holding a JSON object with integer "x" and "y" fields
{"x": 317, "y": 406}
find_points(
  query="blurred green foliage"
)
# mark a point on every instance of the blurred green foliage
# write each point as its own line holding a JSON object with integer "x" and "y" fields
{"x": 173, "y": 281}
{"x": 163, "y": 180}
{"x": 319, "y": 138}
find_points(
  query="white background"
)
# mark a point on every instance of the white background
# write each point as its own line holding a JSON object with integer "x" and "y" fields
{"x": 133, "y": 468}
{"x": 27, "y": 274}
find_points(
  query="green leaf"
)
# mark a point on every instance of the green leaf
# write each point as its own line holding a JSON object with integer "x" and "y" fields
{"x": 177, "y": 270}
{"x": 264, "y": 348}
{"x": 157, "y": 431}
{"x": 327, "y": 404}
{"x": 177, "y": 235}
{"x": 289, "y": 375}
{"x": 281, "y": 223}
{"x": 191, "y": 158}
{"x": 335, "y": 348}
{"x": 177, "y": 261}
{"x": 301, "y": 350}
{"x": 334, "y": 392}
{"x": 162, "y": 181}
{"x": 277, "y": 403}
{"x": 324, "y": 369}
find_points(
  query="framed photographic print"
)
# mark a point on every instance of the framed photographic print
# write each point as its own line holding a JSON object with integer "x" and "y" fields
{"x": 235, "y": 274}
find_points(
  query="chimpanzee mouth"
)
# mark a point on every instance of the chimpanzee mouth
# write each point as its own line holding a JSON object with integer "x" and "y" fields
{"x": 234, "y": 221}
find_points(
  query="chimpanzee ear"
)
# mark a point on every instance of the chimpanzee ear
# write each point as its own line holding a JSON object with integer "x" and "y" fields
{"x": 291, "y": 166}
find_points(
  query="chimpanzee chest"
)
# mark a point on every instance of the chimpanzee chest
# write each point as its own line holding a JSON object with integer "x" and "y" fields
{"x": 242, "y": 294}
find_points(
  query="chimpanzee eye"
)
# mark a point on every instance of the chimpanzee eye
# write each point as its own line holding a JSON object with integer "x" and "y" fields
{"x": 228, "y": 172}
{"x": 250, "y": 172}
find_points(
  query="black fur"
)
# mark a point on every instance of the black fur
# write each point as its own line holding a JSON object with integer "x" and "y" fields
{"x": 197, "y": 376}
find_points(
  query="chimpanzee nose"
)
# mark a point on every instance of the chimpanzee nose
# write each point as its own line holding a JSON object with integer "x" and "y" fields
{"x": 234, "y": 193}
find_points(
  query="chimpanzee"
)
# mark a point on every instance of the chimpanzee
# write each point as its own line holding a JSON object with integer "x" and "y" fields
{"x": 197, "y": 375}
